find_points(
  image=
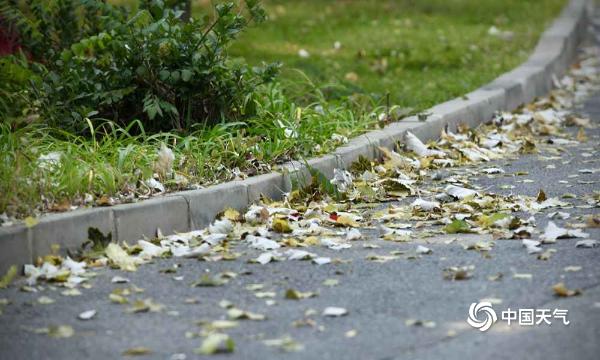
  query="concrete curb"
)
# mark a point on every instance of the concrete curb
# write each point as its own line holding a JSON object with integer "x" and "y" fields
{"x": 187, "y": 210}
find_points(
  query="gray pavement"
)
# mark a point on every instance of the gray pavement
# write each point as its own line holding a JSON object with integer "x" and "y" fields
{"x": 380, "y": 297}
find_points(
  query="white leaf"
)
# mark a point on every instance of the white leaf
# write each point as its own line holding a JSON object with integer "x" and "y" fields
{"x": 334, "y": 311}
{"x": 265, "y": 258}
{"x": 87, "y": 315}
{"x": 532, "y": 246}
{"x": 186, "y": 251}
{"x": 49, "y": 161}
{"x": 303, "y": 53}
{"x": 334, "y": 245}
{"x": 76, "y": 268}
{"x": 553, "y": 232}
{"x": 474, "y": 155}
{"x": 353, "y": 234}
{"x": 214, "y": 239}
{"x": 295, "y": 254}
{"x": 342, "y": 179}
{"x": 422, "y": 250}
{"x": 415, "y": 145}
{"x": 164, "y": 161}
{"x": 119, "y": 280}
{"x": 155, "y": 185}
{"x": 492, "y": 171}
{"x": 254, "y": 215}
{"x": 460, "y": 192}
{"x": 587, "y": 244}
{"x": 384, "y": 230}
{"x": 224, "y": 226}
{"x": 149, "y": 250}
{"x": 425, "y": 205}
{"x": 548, "y": 117}
{"x": 322, "y": 260}
{"x": 261, "y": 243}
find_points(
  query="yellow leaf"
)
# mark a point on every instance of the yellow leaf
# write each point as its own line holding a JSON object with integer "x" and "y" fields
{"x": 281, "y": 226}
{"x": 312, "y": 241}
{"x": 561, "y": 290}
{"x": 8, "y": 277}
{"x": 346, "y": 221}
{"x": 581, "y": 136}
{"x": 232, "y": 214}
{"x": 137, "y": 351}
{"x": 31, "y": 221}
{"x": 120, "y": 258}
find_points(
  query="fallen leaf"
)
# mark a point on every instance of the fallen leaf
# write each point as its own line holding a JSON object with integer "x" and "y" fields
{"x": 353, "y": 234}
{"x": 415, "y": 145}
{"x": 146, "y": 305}
{"x": 422, "y": 250}
{"x": 460, "y": 193}
{"x": 218, "y": 325}
{"x": 424, "y": 205}
{"x": 8, "y": 277}
{"x": 561, "y": 290}
{"x": 210, "y": 281}
{"x": 60, "y": 331}
{"x": 381, "y": 258}
{"x": 333, "y": 311}
{"x": 281, "y": 226}
{"x": 424, "y": 323}
{"x": 137, "y": 351}
{"x": 546, "y": 254}
{"x": 45, "y": 300}
{"x": 87, "y": 315}
{"x": 31, "y": 221}
{"x": 587, "y": 243}
{"x": 458, "y": 272}
{"x": 457, "y": 226}
{"x": 119, "y": 280}
{"x": 262, "y": 243}
{"x": 71, "y": 292}
{"x": 292, "y": 294}
{"x": 238, "y": 314}
{"x": 216, "y": 343}
{"x": 321, "y": 260}
{"x": 522, "y": 276}
{"x": 232, "y": 214}
{"x": 331, "y": 282}
{"x": 285, "y": 343}
{"x": 345, "y": 220}
{"x": 553, "y": 232}
{"x": 351, "y": 333}
{"x": 120, "y": 258}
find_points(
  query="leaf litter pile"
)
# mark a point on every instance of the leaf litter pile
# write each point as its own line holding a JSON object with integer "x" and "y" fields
{"x": 425, "y": 191}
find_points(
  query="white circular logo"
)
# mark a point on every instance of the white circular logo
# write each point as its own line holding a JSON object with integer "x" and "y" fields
{"x": 482, "y": 316}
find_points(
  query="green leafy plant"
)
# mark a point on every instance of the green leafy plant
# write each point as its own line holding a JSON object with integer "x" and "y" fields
{"x": 168, "y": 73}
{"x": 46, "y": 27}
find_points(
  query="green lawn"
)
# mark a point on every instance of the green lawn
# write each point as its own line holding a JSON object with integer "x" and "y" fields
{"x": 421, "y": 52}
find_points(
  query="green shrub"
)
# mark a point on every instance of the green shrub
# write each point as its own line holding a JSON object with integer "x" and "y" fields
{"x": 154, "y": 67}
{"x": 88, "y": 59}
{"x": 46, "y": 27}
{"x": 17, "y": 102}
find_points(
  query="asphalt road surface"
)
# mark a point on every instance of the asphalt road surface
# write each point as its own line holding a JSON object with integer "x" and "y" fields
{"x": 383, "y": 299}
